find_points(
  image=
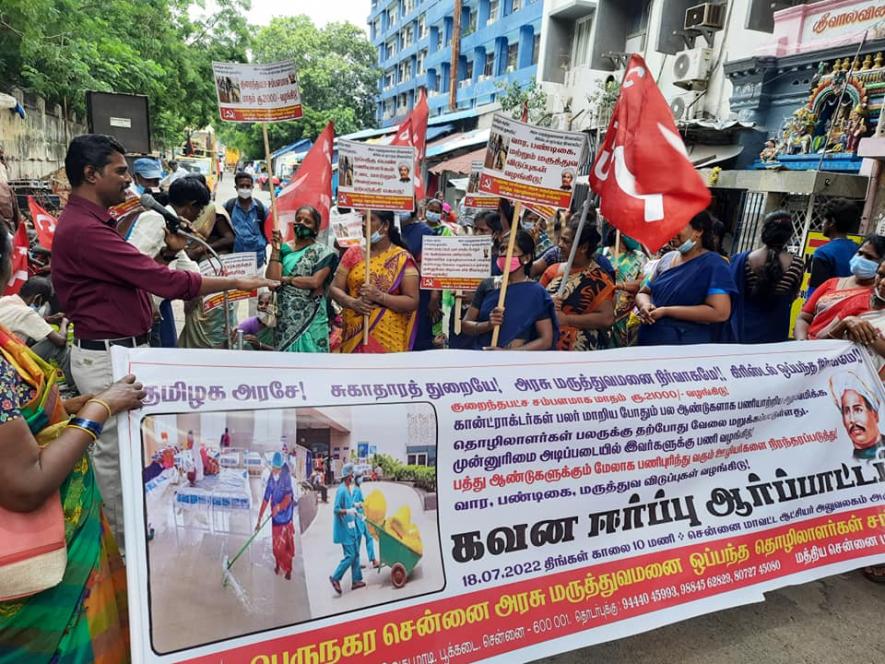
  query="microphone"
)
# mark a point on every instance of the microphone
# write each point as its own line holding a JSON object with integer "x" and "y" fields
{"x": 173, "y": 223}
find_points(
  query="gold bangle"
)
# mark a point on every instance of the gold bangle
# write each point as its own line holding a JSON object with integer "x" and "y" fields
{"x": 85, "y": 430}
{"x": 102, "y": 403}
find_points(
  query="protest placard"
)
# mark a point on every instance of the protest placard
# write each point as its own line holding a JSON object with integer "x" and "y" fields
{"x": 459, "y": 262}
{"x": 472, "y": 198}
{"x": 375, "y": 177}
{"x": 531, "y": 164}
{"x": 552, "y": 500}
{"x": 348, "y": 229}
{"x": 257, "y": 93}
{"x": 243, "y": 264}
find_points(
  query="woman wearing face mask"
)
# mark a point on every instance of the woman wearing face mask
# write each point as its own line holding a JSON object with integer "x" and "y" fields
{"x": 768, "y": 280}
{"x": 828, "y": 302}
{"x": 628, "y": 262}
{"x": 528, "y": 320}
{"x": 584, "y": 310}
{"x": 304, "y": 268}
{"x": 389, "y": 299}
{"x": 689, "y": 294}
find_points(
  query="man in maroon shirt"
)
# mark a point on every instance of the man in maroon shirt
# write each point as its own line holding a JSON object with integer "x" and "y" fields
{"x": 104, "y": 285}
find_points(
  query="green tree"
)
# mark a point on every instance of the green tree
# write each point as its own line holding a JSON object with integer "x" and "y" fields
{"x": 336, "y": 73}
{"x": 60, "y": 49}
{"x": 514, "y": 95}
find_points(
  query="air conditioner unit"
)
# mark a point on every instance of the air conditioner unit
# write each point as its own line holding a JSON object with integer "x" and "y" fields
{"x": 691, "y": 68}
{"x": 686, "y": 107}
{"x": 709, "y": 16}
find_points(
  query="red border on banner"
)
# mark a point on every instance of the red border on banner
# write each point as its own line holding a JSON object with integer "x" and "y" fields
{"x": 481, "y": 202}
{"x": 230, "y": 114}
{"x": 501, "y": 619}
{"x": 378, "y": 202}
{"x": 526, "y": 193}
{"x": 449, "y": 283}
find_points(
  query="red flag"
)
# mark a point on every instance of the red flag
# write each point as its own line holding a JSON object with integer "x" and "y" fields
{"x": 311, "y": 185}
{"x": 413, "y": 131}
{"x": 19, "y": 261}
{"x": 648, "y": 188}
{"x": 44, "y": 223}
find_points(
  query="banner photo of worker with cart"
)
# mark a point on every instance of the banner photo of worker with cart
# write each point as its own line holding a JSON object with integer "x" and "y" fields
{"x": 518, "y": 505}
{"x": 239, "y": 539}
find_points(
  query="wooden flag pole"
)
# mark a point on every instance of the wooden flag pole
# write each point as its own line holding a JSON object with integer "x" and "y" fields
{"x": 576, "y": 240}
{"x": 273, "y": 193}
{"x": 514, "y": 229}
{"x": 368, "y": 271}
{"x": 617, "y": 245}
{"x": 459, "y": 299}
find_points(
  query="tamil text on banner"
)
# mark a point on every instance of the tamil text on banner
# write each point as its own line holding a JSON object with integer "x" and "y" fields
{"x": 459, "y": 262}
{"x": 348, "y": 229}
{"x": 257, "y": 93}
{"x": 519, "y": 504}
{"x": 531, "y": 164}
{"x": 472, "y": 198}
{"x": 243, "y": 264}
{"x": 375, "y": 177}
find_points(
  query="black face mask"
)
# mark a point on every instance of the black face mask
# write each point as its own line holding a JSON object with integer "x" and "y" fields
{"x": 304, "y": 232}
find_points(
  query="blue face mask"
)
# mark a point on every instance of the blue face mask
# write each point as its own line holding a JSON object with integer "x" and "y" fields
{"x": 405, "y": 217}
{"x": 139, "y": 189}
{"x": 863, "y": 268}
{"x": 686, "y": 246}
{"x": 376, "y": 237}
{"x": 433, "y": 217}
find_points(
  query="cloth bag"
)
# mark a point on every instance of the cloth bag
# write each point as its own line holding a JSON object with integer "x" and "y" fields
{"x": 33, "y": 553}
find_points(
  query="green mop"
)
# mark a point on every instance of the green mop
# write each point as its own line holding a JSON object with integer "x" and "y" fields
{"x": 227, "y": 578}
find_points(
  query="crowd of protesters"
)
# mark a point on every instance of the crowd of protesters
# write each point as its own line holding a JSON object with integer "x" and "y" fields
{"x": 116, "y": 272}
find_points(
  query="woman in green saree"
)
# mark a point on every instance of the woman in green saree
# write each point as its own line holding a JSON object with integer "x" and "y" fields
{"x": 84, "y": 617}
{"x": 304, "y": 268}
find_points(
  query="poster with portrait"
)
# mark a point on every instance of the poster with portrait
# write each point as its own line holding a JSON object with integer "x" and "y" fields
{"x": 532, "y": 164}
{"x": 257, "y": 93}
{"x": 376, "y": 177}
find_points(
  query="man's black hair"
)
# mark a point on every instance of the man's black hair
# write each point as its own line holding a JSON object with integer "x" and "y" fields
{"x": 243, "y": 175}
{"x": 89, "y": 150}
{"x": 189, "y": 189}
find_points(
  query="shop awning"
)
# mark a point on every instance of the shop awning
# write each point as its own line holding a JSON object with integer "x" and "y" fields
{"x": 702, "y": 156}
{"x": 460, "y": 164}
{"x": 457, "y": 142}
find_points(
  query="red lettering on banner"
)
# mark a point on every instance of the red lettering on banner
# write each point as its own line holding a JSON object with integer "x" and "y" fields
{"x": 506, "y": 618}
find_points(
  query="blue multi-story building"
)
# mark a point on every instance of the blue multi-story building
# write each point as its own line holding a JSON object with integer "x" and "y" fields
{"x": 500, "y": 42}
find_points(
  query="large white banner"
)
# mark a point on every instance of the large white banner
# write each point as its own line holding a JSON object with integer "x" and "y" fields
{"x": 518, "y": 504}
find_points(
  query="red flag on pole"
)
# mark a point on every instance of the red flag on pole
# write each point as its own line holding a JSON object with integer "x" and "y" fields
{"x": 413, "y": 131}
{"x": 19, "y": 261}
{"x": 648, "y": 187}
{"x": 311, "y": 185}
{"x": 44, "y": 223}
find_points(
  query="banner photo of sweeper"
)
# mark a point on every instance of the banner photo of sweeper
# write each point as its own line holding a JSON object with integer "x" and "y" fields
{"x": 485, "y": 507}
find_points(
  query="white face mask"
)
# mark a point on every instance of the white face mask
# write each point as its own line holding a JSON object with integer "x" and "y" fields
{"x": 244, "y": 193}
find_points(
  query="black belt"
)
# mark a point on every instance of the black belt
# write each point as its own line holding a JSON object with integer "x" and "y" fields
{"x": 105, "y": 344}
